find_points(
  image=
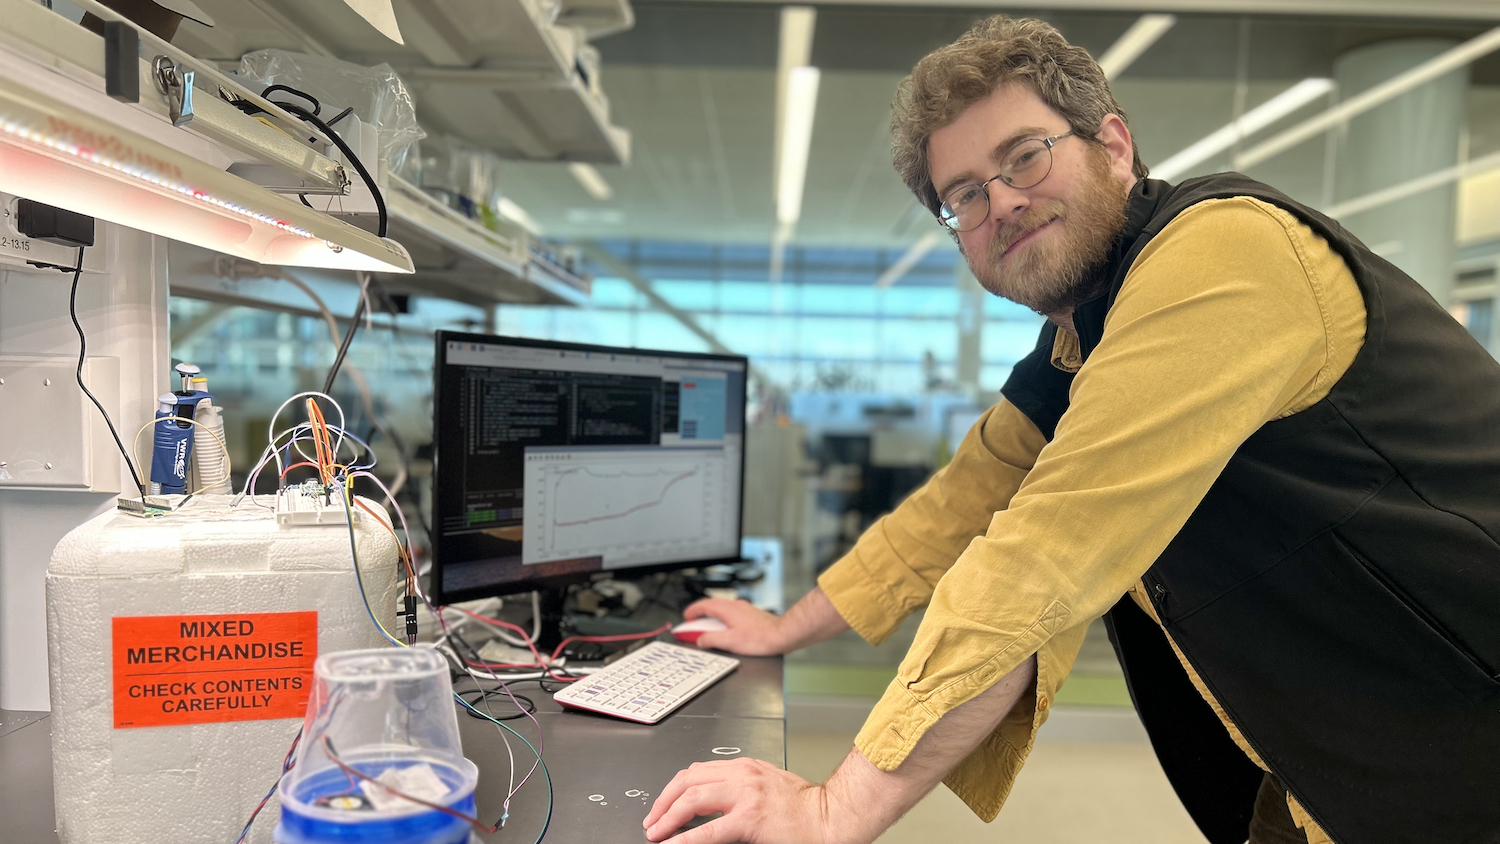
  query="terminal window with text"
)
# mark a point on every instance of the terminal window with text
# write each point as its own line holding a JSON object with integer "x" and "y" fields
{"x": 557, "y": 460}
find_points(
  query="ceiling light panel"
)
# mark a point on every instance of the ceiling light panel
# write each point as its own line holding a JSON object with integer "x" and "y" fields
{"x": 1145, "y": 32}
{"x": 796, "y": 142}
{"x": 1252, "y": 121}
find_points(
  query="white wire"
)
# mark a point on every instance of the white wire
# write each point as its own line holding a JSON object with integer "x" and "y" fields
{"x": 273, "y": 450}
{"x": 271, "y": 428}
{"x": 536, "y": 615}
{"x": 135, "y": 445}
{"x": 510, "y": 790}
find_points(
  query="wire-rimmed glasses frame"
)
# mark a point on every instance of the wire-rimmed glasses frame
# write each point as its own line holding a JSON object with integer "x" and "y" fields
{"x": 1025, "y": 166}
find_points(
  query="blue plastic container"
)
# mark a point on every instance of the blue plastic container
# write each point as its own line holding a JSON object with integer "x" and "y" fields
{"x": 305, "y": 822}
{"x": 373, "y": 712}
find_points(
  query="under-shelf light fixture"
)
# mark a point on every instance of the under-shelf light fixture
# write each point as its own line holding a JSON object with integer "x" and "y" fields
{"x": 61, "y": 155}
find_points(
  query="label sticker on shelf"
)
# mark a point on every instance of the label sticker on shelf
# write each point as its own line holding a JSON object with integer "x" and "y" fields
{"x": 172, "y": 670}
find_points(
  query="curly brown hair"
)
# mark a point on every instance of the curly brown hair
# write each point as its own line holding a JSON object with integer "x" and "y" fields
{"x": 995, "y": 51}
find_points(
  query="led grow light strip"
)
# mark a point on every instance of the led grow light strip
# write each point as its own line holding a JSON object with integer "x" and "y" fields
{"x": 26, "y": 133}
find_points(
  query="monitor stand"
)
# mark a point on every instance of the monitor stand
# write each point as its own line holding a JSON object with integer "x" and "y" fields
{"x": 555, "y": 625}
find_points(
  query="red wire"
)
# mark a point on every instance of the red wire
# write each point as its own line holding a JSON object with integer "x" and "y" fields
{"x": 495, "y": 622}
{"x": 300, "y": 465}
{"x": 545, "y": 664}
{"x": 625, "y": 637}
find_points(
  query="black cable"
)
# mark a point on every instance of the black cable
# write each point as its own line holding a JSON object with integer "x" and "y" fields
{"x": 317, "y": 108}
{"x": 338, "y": 360}
{"x": 82, "y": 354}
{"x": 359, "y": 167}
{"x": 528, "y": 706}
{"x": 303, "y": 197}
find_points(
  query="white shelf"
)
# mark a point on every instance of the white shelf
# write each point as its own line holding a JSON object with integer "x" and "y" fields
{"x": 457, "y": 258}
{"x": 64, "y": 142}
{"x": 497, "y": 74}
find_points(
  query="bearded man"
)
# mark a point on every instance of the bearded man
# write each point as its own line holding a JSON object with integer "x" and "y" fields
{"x": 1265, "y": 455}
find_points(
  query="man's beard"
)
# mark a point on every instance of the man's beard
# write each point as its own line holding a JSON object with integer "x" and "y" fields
{"x": 1053, "y": 278}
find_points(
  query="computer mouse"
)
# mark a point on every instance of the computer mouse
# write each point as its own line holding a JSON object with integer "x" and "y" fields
{"x": 689, "y": 631}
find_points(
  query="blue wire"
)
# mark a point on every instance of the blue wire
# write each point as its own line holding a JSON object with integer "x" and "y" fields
{"x": 354, "y": 554}
{"x": 465, "y": 704}
{"x": 545, "y": 773}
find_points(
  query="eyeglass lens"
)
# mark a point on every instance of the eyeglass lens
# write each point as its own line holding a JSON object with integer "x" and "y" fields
{"x": 1025, "y": 166}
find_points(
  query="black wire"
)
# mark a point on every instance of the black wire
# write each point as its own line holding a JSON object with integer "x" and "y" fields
{"x": 83, "y": 346}
{"x": 359, "y": 167}
{"x": 338, "y": 360}
{"x": 303, "y": 197}
{"x": 317, "y": 108}
{"x": 528, "y": 707}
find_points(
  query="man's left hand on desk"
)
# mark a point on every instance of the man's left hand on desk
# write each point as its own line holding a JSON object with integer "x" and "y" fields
{"x": 761, "y": 804}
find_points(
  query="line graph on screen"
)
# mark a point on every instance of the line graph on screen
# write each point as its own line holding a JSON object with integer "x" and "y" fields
{"x": 632, "y": 504}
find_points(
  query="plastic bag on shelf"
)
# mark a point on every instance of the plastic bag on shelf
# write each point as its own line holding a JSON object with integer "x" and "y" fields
{"x": 411, "y": 168}
{"x": 462, "y": 176}
{"x": 377, "y": 94}
{"x": 478, "y": 171}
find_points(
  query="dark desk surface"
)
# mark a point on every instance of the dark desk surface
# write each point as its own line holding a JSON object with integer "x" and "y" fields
{"x": 588, "y": 756}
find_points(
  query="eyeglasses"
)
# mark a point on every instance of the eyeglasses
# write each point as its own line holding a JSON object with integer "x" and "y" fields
{"x": 1025, "y": 166}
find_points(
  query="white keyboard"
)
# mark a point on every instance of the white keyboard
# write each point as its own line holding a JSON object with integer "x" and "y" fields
{"x": 647, "y": 685}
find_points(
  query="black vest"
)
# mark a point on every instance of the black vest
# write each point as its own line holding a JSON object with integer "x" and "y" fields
{"x": 1338, "y": 588}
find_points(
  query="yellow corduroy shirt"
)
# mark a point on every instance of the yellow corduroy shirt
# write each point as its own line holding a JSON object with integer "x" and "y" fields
{"x": 1234, "y": 315}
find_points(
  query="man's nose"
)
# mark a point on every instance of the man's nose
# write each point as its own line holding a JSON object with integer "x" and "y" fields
{"x": 1006, "y": 203}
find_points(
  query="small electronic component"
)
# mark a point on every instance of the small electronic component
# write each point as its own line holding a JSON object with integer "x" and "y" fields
{"x": 151, "y": 506}
{"x": 311, "y": 503}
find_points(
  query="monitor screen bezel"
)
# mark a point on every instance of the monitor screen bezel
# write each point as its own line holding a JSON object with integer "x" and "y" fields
{"x": 435, "y": 581}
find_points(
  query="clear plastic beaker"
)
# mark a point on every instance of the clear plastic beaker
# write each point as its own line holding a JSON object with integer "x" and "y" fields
{"x": 380, "y": 724}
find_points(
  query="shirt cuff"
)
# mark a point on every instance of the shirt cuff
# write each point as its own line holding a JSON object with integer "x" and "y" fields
{"x": 874, "y": 598}
{"x": 984, "y": 779}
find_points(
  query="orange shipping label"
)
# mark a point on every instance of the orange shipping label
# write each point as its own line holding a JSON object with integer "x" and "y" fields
{"x": 198, "y": 669}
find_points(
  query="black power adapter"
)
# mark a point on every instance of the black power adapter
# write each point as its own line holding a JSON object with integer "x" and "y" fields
{"x": 53, "y": 225}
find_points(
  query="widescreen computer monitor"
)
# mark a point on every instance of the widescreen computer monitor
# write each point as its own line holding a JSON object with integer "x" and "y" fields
{"x": 554, "y": 461}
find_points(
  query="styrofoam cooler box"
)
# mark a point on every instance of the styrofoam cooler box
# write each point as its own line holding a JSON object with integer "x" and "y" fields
{"x": 181, "y": 651}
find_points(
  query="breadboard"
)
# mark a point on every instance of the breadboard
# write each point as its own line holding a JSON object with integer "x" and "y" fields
{"x": 311, "y": 503}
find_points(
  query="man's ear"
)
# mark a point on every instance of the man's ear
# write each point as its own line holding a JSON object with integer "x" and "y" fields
{"x": 1115, "y": 136}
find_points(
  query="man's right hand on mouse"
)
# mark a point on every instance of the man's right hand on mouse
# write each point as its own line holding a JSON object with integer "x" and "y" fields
{"x": 749, "y": 630}
{"x": 755, "y": 632}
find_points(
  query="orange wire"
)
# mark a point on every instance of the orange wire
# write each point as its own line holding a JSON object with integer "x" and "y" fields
{"x": 321, "y": 440}
{"x": 404, "y": 554}
{"x": 312, "y": 426}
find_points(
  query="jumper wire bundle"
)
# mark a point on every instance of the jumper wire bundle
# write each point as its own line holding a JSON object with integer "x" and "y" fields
{"x": 335, "y": 479}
